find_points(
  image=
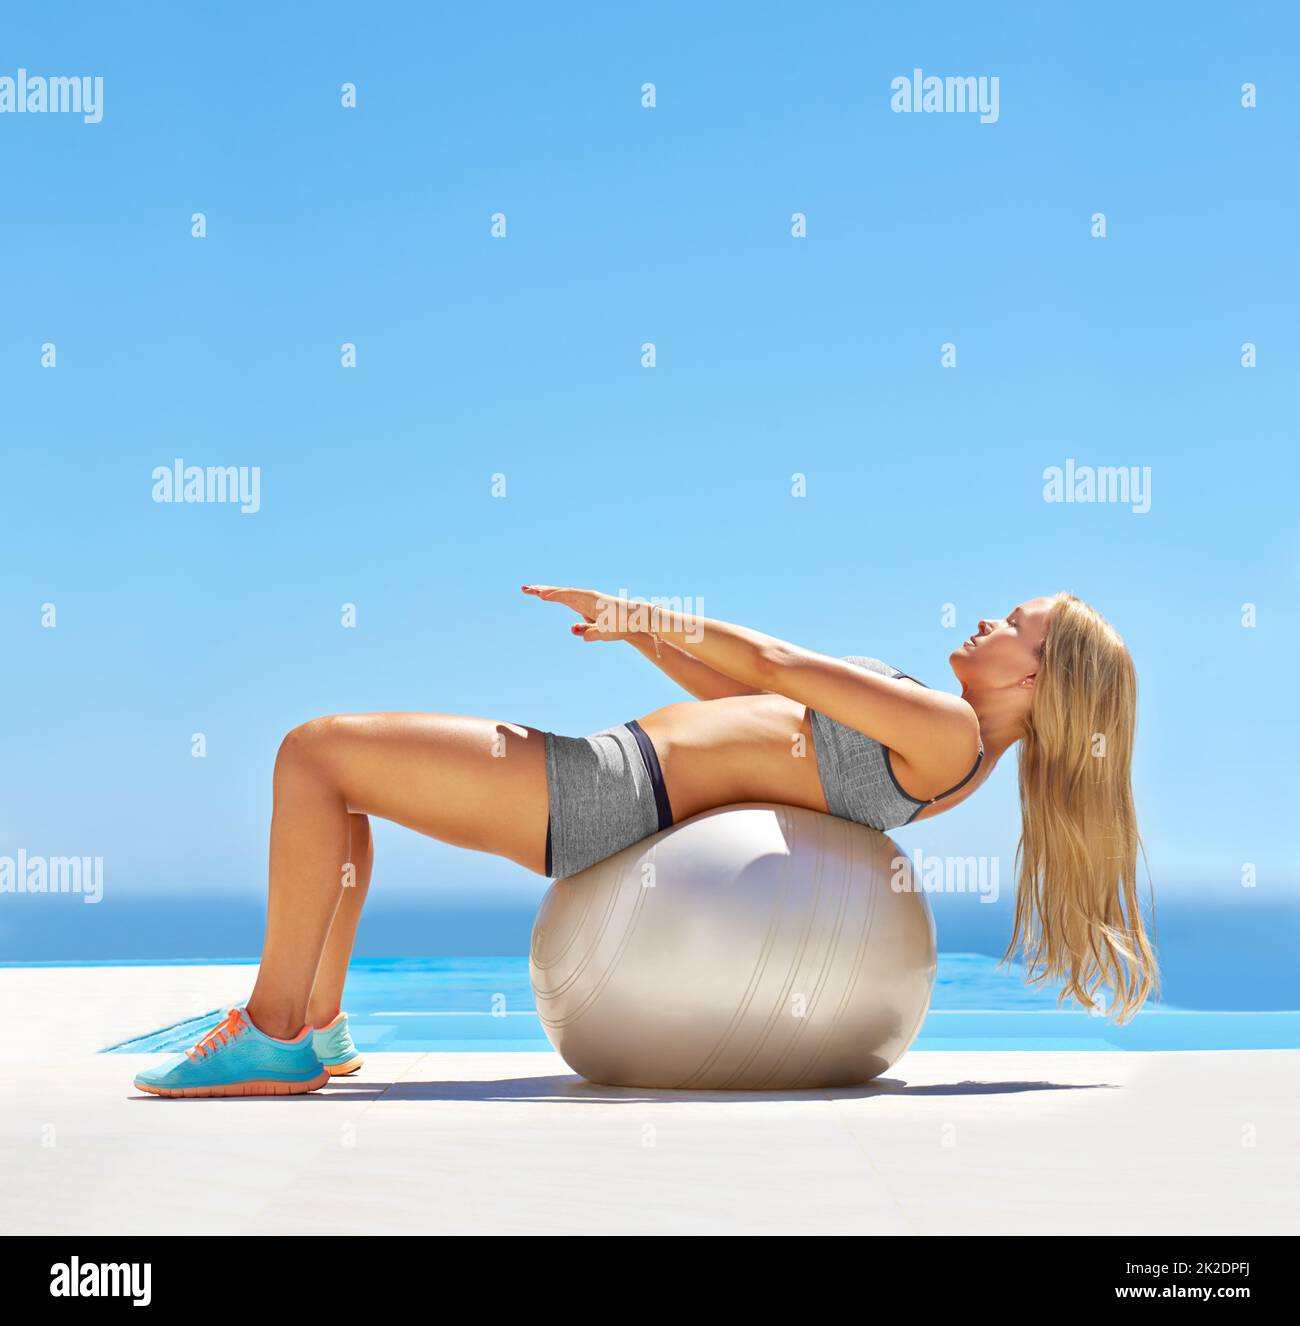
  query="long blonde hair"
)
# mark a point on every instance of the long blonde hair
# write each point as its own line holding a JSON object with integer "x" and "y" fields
{"x": 1077, "y": 906}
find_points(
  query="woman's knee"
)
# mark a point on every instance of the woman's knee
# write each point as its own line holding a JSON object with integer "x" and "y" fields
{"x": 307, "y": 748}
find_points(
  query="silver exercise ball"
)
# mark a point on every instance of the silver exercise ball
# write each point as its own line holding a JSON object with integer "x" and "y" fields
{"x": 754, "y": 947}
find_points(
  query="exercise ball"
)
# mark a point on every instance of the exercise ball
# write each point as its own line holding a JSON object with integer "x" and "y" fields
{"x": 750, "y": 948}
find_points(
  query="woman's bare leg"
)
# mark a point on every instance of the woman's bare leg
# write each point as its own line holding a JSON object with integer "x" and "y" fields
{"x": 326, "y": 1000}
{"x": 469, "y": 781}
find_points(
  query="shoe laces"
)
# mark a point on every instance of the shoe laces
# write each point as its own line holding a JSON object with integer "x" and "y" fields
{"x": 220, "y": 1035}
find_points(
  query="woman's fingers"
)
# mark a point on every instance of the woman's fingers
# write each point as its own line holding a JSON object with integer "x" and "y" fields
{"x": 590, "y": 630}
{"x": 580, "y": 600}
{"x": 552, "y": 593}
{"x": 585, "y": 602}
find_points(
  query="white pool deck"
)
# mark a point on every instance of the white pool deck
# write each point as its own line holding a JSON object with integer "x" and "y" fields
{"x": 962, "y": 1142}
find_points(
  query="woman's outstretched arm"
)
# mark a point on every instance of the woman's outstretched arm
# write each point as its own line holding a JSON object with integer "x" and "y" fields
{"x": 691, "y": 674}
{"x": 930, "y": 728}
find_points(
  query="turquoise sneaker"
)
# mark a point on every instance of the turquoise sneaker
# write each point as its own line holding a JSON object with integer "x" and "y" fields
{"x": 235, "y": 1059}
{"x": 334, "y": 1047}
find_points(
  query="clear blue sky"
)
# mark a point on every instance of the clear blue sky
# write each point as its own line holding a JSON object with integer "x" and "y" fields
{"x": 522, "y": 356}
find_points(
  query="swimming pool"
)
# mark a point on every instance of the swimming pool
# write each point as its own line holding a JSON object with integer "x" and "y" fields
{"x": 486, "y": 1004}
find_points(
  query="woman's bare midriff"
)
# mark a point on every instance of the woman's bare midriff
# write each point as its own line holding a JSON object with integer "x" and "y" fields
{"x": 744, "y": 748}
{"x": 741, "y": 748}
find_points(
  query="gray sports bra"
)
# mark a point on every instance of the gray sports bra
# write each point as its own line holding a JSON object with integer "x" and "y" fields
{"x": 857, "y": 777}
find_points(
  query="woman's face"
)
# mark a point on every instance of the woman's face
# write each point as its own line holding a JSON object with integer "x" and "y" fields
{"x": 1004, "y": 650}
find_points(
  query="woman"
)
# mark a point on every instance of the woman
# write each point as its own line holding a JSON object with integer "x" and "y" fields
{"x": 778, "y": 723}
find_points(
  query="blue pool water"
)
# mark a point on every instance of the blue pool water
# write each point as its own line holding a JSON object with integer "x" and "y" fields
{"x": 475, "y": 1004}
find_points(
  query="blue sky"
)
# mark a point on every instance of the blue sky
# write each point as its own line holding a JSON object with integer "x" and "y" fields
{"x": 522, "y": 355}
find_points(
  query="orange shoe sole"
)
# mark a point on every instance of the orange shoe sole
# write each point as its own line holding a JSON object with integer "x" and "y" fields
{"x": 242, "y": 1088}
{"x": 342, "y": 1070}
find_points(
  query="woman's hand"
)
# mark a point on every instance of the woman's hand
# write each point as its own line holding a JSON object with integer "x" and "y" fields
{"x": 607, "y": 617}
{"x": 604, "y": 616}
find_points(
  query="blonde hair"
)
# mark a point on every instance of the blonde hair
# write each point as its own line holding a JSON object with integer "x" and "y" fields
{"x": 1077, "y": 907}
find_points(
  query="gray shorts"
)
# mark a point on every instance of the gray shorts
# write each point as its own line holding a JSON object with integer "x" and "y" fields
{"x": 606, "y": 793}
